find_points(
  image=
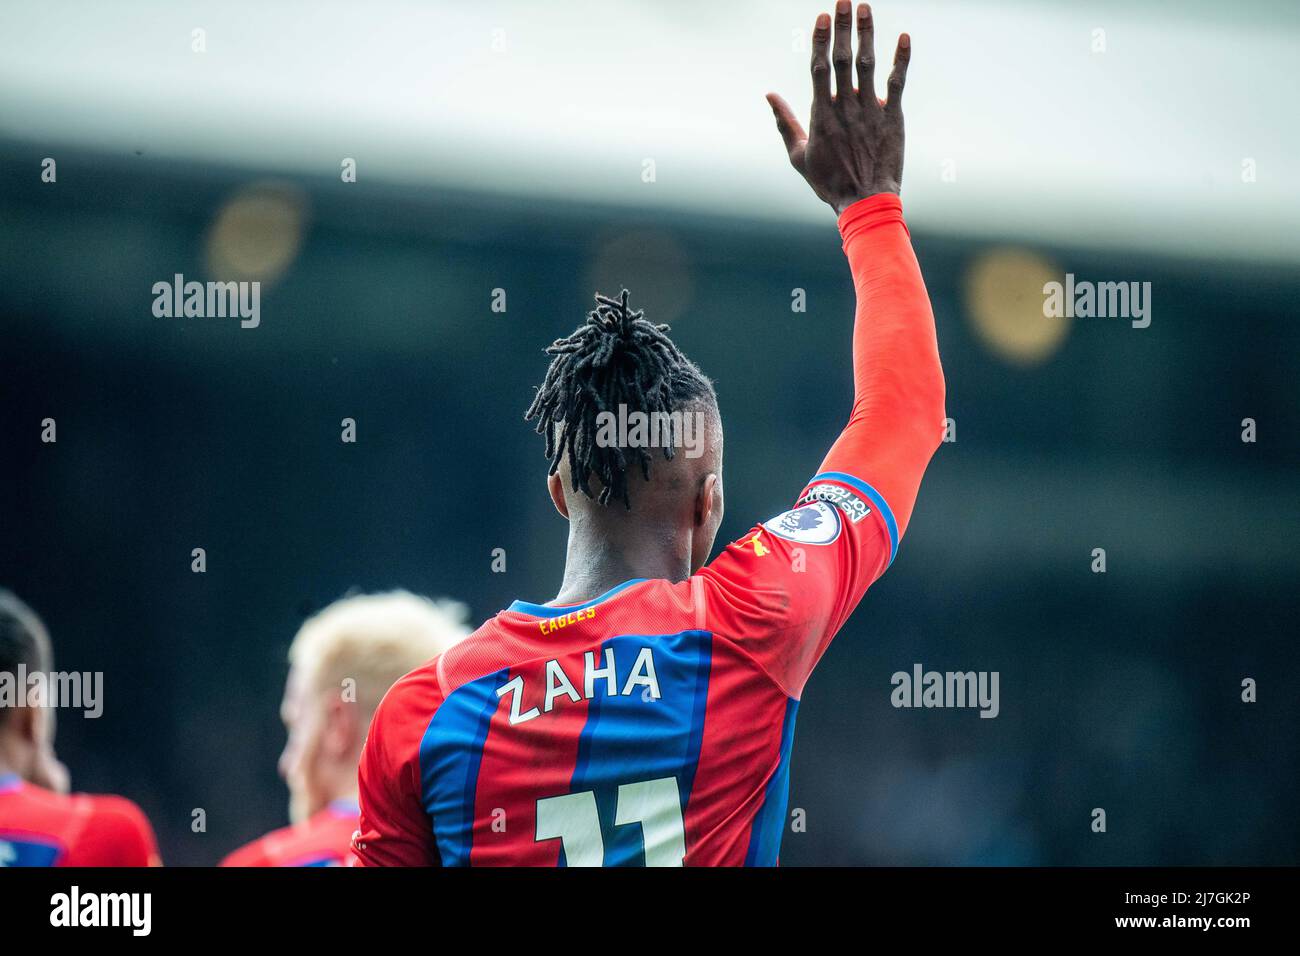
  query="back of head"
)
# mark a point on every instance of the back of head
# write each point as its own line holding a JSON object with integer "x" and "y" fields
{"x": 24, "y": 642}
{"x": 619, "y": 396}
{"x": 373, "y": 640}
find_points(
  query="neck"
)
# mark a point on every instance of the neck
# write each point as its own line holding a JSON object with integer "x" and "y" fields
{"x": 9, "y": 762}
{"x": 336, "y": 793}
{"x": 345, "y": 796}
{"x": 598, "y": 561}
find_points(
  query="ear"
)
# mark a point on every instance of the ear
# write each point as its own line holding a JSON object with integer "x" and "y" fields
{"x": 555, "y": 485}
{"x": 27, "y": 724}
{"x": 343, "y": 731}
{"x": 709, "y": 498}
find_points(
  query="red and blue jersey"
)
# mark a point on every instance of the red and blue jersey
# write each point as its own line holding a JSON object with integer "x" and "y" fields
{"x": 323, "y": 839}
{"x": 41, "y": 828}
{"x": 652, "y": 725}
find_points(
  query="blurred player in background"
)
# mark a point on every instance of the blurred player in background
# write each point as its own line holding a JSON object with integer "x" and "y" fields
{"x": 646, "y": 715}
{"x": 40, "y": 824}
{"x": 341, "y": 663}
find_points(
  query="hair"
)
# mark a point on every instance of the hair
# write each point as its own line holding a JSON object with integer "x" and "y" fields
{"x": 374, "y": 639}
{"x": 614, "y": 358}
{"x": 23, "y": 639}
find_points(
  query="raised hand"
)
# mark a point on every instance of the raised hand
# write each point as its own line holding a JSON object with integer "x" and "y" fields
{"x": 854, "y": 147}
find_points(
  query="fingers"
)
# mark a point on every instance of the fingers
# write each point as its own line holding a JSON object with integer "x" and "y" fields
{"x": 898, "y": 76}
{"x": 866, "y": 57}
{"x": 786, "y": 122}
{"x": 821, "y": 67}
{"x": 842, "y": 55}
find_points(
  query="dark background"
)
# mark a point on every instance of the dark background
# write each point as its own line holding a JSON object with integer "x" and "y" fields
{"x": 1118, "y": 690}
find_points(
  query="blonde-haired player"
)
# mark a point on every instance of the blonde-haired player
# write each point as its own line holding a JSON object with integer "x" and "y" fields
{"x": 341, "y": 663}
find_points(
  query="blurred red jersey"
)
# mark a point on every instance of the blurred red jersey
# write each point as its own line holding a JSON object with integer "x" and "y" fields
{"x": 322, "y": 840}
{"x": 41, "y": 828}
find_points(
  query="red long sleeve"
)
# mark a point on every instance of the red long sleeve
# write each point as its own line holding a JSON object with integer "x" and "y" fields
{"x": 898, "y": 405}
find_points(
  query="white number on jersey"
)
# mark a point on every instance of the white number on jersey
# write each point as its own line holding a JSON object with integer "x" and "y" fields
{"x": 655, "y": 804}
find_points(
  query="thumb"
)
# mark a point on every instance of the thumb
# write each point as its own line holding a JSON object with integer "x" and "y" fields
{"x": 786, "y": 122}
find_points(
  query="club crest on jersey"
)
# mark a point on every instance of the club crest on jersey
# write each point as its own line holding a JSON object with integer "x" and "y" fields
{"x": 813, "y": 523}
{"x": 840, "y": 497}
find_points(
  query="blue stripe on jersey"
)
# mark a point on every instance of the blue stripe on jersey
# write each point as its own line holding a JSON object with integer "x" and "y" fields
{"x": 874, "y": 497}
{"x": 450, "y": 754}
{"x": 545, "y": 610}
{"x": 769, "y": 823}
{"x": 25, "y": 851}
{"x": 633, "y": 739}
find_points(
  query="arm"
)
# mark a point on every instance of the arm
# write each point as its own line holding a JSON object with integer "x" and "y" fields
{"x": 784, "y": 590}
{"x": 853, "y": 159}
{"x": 898, "y": 405}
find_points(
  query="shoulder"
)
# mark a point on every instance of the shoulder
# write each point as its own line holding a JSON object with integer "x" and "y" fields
{"x": 420, "y": 690}
{"x": 253, "y": 853}
{"x": 115, "y": 830}
{"x": 112, "y": 811}
{"x": 323, "y": 840}
{"x": 410, "y": 704}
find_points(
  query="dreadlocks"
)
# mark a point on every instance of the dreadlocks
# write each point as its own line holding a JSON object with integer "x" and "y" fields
{"x": 614, "y": 358}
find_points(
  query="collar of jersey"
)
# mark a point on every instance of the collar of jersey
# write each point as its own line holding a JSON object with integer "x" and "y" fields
{"x": 344, "y": 807}
{"x": 543, "y": 610}
{"x": 9, "y": 781}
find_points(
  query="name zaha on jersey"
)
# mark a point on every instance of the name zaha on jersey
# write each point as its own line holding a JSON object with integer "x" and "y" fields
{"x": 640, "y": 674}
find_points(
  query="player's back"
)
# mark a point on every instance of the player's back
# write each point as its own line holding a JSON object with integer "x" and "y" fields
{"x": 641, "y": 727}
{"x": 626, "y": 733}
{"x": 41, "y": 828}
{"x": 651, "y": 725}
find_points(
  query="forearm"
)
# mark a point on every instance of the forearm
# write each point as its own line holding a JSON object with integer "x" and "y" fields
{"x": 898, "y": 407}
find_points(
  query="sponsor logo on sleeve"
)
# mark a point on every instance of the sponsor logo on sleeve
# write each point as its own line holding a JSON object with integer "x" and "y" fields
{"x": 756, "y": 542}
{"x": 815, "y": 523}
{"x": 840, "y": 497}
